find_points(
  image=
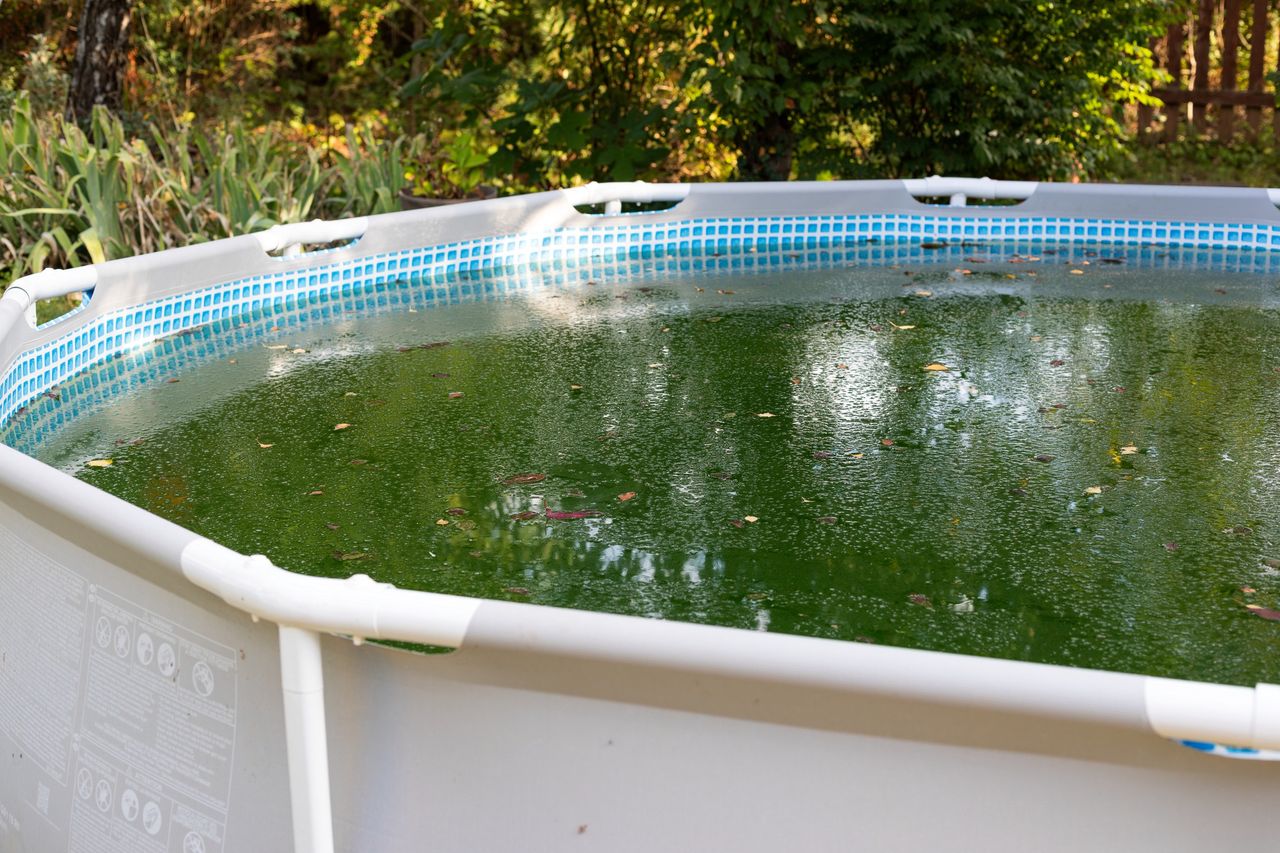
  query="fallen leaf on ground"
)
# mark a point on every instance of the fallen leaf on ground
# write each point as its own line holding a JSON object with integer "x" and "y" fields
{"x": 936, "y": 366}
{"x": 439, "y": 376}
{"x": 626, "y": 496}
{"x": 524, "y": 479}
{"x": 341, "y": 426}
{"x": 574, "y": 515}
{"x": 100, "y": 463}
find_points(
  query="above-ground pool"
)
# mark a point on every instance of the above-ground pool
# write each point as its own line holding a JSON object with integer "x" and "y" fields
{"x": 954, "y": 526}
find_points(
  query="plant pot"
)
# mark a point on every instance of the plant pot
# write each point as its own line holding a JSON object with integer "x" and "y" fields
{"x": 409, "y": 201}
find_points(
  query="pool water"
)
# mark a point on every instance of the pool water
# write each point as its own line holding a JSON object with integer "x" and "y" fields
{"x": 1067, "y": 463}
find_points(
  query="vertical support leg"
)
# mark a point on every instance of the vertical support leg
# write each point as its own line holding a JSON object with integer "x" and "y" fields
{"x": 302, "y": 676}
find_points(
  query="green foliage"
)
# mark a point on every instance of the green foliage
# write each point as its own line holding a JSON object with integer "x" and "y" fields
{"x": 68, "y": 197}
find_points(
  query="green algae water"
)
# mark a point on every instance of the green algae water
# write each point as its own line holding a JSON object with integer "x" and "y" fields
{"x": 1021, "y": 462}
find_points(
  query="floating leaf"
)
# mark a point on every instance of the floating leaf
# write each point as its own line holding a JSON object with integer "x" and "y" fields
{"x": 936, "y": 366}
{"x": 655, "y": 365}
{"x": 465, "y": 524}
{"x": 526, "y": 515}
{"x": 265, "y": 446}
{"x": 575, "y": 387}
{"x": 524, "y": 479}
{"x": 1056, "y": 362}
{"x": 1171, "y": 546}
{"x": 1042, "y": 457}
{"x": 924, "y": 293}
{"x": 932, "y": 245}
{"x": 351, "y": 394}
{"x": 750, "y": 519}
{"x": 455, "y": 395}
{"x": 821, "y": 454}
{"x": 442, "y": 522}
{"x": 721, "y": 475}
{"x": 1093, "y": 490}
{"x": 516, "y": 590}
{"x": 857, "y": 455}
{"x": 920, "y": 600}
{"x": 297, "y": 351}
{"x": 349, "y": 555}
{"x": 1248, "y": 590}
{"x": 626, "y": 496}
{"x": 100, "y": 463}
{"x": 455, "y": 510}
{"x": 1271, "y": 562}
{"x": 358, "y": 462}
{"x": 332, "y": 526}
{"x": 277, "y": 346}
{"x": 341, "y": 426}
{"x": 900, "y": 328}
{"x": 1077, "y": 272}
{"x": 316, "y": 492}
{"x": 574, "y": 515}
{"x": 826, "y": 519}
{"x": 765, "y": 415}
{"x": 725, "y": 292}
{"x": 1238, "y": 530}
{"x": 1128, "y": 450}
{"x": 439, "y": 376}
{"x": 886, "y": 442}
{"x": 842, "y": 367}
{"x": 1264, "y": 612}
{"x": 433, "y": 345}
{"x": 737, "y": 522}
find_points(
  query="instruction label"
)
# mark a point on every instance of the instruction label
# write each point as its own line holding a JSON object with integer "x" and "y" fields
{"x": 156, "y": 735}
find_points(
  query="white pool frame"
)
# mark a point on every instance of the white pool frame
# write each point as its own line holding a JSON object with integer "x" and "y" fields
{"x": 551, "y": 728}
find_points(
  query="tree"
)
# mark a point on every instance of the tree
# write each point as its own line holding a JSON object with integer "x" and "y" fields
{"x": 97, "y": 74}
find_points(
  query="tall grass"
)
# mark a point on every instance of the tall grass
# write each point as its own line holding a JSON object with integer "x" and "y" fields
{"x": 70, "y": 197}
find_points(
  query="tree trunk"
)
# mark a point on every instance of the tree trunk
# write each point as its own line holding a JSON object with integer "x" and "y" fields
{"x": 765, "y": 151}
{"x": 97, "y": 75}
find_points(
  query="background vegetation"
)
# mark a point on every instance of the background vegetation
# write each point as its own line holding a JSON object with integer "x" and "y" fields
{"x": 237, "y": 114}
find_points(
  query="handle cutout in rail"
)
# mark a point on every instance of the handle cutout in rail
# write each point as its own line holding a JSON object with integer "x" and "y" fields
{"x": 58, "y": 308}
{"x": 293, "y": 250}
{"x": 606, "y": 208}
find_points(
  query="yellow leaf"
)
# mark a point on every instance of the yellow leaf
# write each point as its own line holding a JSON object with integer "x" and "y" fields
{"x": 265, "y": 446}
{"x": 101, "y": 463}
{"x": 765, "y": 414}
{"x": 340, "y": 426}
{"x": 938, "y": 366}
{"x": 297, "y": 351}
{"x": 858, "y": 455}
{"x": 751, "y": 519}
{"x": 924, "y": 293}
{"x": 440, "y": 522}
{"x": 575, "y": 387}
{"x": 1077, "y": 272}
{"x": 1128, "y": 450}
{"x": 1093, "y": 490}
{"x": 655, "y": 365}
{"x": 900, "y": 328}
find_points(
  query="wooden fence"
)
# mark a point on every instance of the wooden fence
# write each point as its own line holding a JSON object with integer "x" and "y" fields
{"x": 1203, "y": 56}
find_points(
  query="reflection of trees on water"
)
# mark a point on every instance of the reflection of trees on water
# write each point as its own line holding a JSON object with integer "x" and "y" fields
{"x": 1013, "y": 557}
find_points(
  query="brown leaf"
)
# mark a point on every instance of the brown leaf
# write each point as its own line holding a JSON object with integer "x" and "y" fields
{"x": 920, "y": 600}
{"x": 626, "y": 496}
{"x": 886, "y": 442}
{"x": 332, "y": 526}
{"x": 523, "y": 479}
{"x": 821, "y": 454}
{"x": 827, "y": 519}
{"x": 1264, "y": 612}
{"x": 455, "y": 510}
{"x": 1042, "y": 457}
{"x": 527, "y": 515}
{"x": 349, "y": 555}
{"x": 1171, "y": 546}
{"x": 455, "y": 395}
{"x": 516, "y": 590}
{"x": 341, "y": 426}
{"x": 1056, "y": 362}
{"x": 738, "y": 523}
